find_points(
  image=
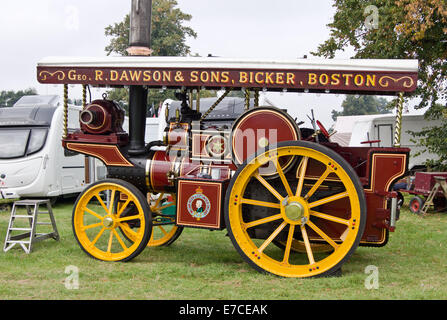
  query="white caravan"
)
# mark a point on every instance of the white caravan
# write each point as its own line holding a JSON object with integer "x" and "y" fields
{"x": 353, "y": 130}
{"x": 33, "y": 163}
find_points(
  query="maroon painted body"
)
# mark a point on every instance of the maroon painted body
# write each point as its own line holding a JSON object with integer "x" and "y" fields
{"x": 200, "y": 203}
{"x": 259, "y": 128}
{"x": 102, "y": 117}
{"x": 378, "y": 169}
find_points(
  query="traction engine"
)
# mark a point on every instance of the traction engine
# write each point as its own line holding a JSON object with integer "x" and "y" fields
{"x": 293, "y": 203}
{"x": 216, "y": 177}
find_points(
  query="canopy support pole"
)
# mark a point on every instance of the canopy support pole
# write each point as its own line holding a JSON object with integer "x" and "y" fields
{"x": 84, "y": 95}
{"x": 65, "y": 111}
{"x": 247, "y": 99}
{"x": 191, "y": 98}
{"x": 398, "y": 122}
{"x": 256, "y": 98}
{"x": 198, "y": 101}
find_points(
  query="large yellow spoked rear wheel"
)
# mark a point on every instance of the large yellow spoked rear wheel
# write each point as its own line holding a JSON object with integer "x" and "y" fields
{"x": 100, "y": 214}
{"x": 163, "y": 208}
{"x": 318, "y": 208}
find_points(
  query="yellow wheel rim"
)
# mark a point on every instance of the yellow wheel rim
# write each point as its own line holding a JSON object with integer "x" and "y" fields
{"x": 164, "y": 228}
{"x": 300, "y": 218}
{"x": 98, "y": 226}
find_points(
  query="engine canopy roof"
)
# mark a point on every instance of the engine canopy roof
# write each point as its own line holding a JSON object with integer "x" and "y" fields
{"x": 353, "y": 76}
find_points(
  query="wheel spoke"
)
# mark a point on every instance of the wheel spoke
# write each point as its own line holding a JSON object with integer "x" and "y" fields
{"x": 283, "y": 178}
{"x": 91, "y": 226}
{"x": 137, "y": 217}
{"x": 262, "y": 221}
{"x": 328, "y": 199}
{"x": 289, "y": 244}
{"x": 330, "y": 218}
{"x": 268, "y": 186}
{"x": 109, "y": 246}
{"x": 302, "y": 175}
{"x": 307, "y": 245}
{"x": 120, "y": 212}
{"x": 317, "y": 184}
{"x": 160, "y": 197}
{"x": 128, "y": 229}
{"x": 112, "y": 200}
{"x": 261, "y": 203}
{"x": 163, "y": 230}
{"x": 322, "y": 234}
{"x": 272, "y": 237}
{"x": 119, "y": 239}
{"x": 93, "y": 213}
{"x": 101, "y": 202}
{"x": 98, "y": 236}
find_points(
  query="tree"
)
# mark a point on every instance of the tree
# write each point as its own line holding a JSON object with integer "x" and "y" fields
{"x": 168, "y": 32}
{"x": 9, "y": 98}
{"x": 434, "y": 142}
{"x": 168, "y": 39}
{"x": 361, "y": 105}
{"x": 405, "y": 29}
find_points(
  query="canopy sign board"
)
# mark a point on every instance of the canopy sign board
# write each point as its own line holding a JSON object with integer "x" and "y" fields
{"x": 337, "y": 76}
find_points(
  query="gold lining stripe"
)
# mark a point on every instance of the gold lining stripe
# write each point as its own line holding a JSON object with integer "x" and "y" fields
{"x": 373, "y": 167}
{"x": 183, "y": 139}
{"x": 200, "y": 154}
{"x": 295, "y": 134}
{"x": 104, "y": 120}
{"x": 151, "y": 171}
{"x": 148, "y": 163}
{"x": 212, "y": 226}
{"x": 404, "y": 157}
{"x": 125, "y": 163}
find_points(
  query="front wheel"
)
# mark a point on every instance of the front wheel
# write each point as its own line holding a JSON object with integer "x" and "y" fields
{"x": 320, "y": 202}
{"x": 163, "y": 208}
{"x": 102, "y": 211}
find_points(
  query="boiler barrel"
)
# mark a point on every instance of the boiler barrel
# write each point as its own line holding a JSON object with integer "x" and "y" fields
{"x": 155, "y": 172}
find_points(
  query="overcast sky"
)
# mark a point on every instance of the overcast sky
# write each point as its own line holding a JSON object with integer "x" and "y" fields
{"x": 282, "y": 29}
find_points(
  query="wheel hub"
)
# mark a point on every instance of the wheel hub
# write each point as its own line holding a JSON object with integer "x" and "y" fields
{"x": 294, "y": 211}
{"x": 108, "y": 222}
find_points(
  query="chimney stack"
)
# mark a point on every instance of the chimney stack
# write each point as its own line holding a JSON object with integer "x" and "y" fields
{"x": 139, "y": 45}
{"x": 140, "y": 28}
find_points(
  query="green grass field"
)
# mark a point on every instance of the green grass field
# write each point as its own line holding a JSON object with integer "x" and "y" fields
{"x": 205, "y": 265}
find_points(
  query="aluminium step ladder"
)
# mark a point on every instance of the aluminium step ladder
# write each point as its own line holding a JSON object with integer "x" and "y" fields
{"x": 26, "y": 240}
